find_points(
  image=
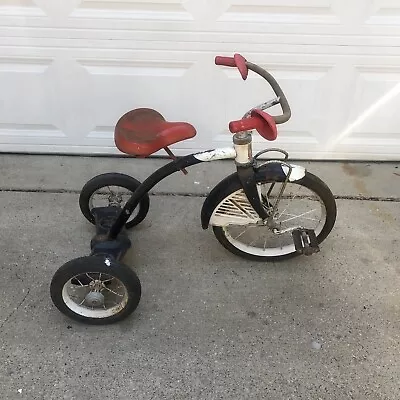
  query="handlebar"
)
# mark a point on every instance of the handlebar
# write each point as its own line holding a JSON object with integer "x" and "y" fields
{"x": 243, "y": 66}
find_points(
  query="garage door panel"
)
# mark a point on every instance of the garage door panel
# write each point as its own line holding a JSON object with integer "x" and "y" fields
{"x": 86, "y": 62}
{"x": 384, "y": 11}
{"x": 57, "y": 10}
{"x": 376, "y": 102}
{"x": 69, "y": 98}
{"x": 127, "y": 9}
{"x": 24, "y": 118}
{"x": 19, "y": 4}
{"x": 384, "y": 19}
{"x": 369, "y": 129}
{"x": 280, "y": 12}
{"x": 22, "y": 95}
{"x": 21, "y": 134}
{"x": 20, "y": 8}
{"x": 122, "y": 85}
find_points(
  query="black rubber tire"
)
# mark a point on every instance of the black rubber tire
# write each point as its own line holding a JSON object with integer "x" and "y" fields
{"x": 96, "y": 264}
{"x": 311, "y": 182}
{"x": 113, "y": 179}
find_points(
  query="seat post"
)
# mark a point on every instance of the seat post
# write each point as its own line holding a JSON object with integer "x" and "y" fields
{"x": 172, "y": 155}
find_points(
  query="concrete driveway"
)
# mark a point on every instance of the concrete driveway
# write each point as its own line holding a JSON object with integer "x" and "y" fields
{"x": 210, "y": 325}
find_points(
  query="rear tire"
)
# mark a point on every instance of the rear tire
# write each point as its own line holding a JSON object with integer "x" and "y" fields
{"x": 309, "y": 181}
{"x": 113, "y": 179}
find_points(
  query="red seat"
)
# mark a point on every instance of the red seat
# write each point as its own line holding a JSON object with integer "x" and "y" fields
{"x": 144, "y": 131}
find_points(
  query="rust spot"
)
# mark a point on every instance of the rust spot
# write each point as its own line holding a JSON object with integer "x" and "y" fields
{"x": 359, "y": 170}
{"x": 360, "y": 186}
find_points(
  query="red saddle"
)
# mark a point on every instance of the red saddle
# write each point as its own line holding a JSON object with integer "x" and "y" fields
{"x": 144, "y": 131}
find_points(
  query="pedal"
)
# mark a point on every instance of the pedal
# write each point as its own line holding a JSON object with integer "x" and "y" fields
{"x": 305, "y": 241}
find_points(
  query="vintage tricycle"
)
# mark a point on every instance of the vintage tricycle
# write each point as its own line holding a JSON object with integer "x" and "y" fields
{"x": 269, "y": 209}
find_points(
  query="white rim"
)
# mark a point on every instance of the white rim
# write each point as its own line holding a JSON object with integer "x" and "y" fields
{"x": 84, "y": 310}
{"x": 265, "y": 251}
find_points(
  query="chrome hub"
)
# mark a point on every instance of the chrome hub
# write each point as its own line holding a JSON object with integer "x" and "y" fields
{"x": 114, "y": 200}
{"x": 94, "y": 299}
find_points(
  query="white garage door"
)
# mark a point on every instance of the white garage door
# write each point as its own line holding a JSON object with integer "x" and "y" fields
{"x": 70, "y": 68}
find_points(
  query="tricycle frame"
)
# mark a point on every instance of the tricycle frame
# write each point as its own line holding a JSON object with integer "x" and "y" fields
{"x": 246, "y": 169}
{"x": 241, "y": 152}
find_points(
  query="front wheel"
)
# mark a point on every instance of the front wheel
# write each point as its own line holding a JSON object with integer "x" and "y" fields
{"x": 307, "y": 203}
{"x": 95, "y": 290}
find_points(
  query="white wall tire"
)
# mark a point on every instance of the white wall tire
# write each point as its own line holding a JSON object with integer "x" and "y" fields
{"x": 89, "y": 304}
{"x": 267, "y": 251}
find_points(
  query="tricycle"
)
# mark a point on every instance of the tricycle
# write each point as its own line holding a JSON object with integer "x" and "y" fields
{"x": 267, "y": 210}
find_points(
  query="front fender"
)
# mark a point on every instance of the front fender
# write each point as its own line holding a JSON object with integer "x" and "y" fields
{"x": 266, "y": 172}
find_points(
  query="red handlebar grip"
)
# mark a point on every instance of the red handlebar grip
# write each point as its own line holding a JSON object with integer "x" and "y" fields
{"x": 227, "y": 61}
{"x": 246, "y": 124}
{"x": 259, "y": 120}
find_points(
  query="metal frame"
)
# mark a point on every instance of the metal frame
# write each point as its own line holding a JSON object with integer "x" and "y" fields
{"x": 245, "y": 169}
{"x": 246, "y": 172}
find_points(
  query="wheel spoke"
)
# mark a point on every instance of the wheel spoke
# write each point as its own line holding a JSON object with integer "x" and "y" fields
{"x": 240, "y": 234}
{"x": 294, "y": 215}
{"x": 81, "y": 287}
{"x": 298, "y": 216}
{"x": 294, "y": 196}
{"x": 253, "y": 241}
{"x": 112, "y": 291}
{"x": 80, "y": 283}
{"x": 90, "y": 277}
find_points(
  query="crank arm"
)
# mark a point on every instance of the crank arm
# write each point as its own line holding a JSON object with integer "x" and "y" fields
{"x": 281, "y": 232}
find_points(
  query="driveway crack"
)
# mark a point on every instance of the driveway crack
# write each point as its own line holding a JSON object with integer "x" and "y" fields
{"x": 15, "y": 309}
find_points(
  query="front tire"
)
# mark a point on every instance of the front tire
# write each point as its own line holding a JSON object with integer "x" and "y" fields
{"x": 95, "y": 290}
{"x": 234, "y": 242}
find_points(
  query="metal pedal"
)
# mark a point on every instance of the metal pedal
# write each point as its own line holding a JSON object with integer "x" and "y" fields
{"x": 305, "y": 241}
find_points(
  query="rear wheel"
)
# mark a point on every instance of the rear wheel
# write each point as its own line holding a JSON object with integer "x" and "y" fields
{"x": 307, "y": 203}
{"x": 112, "y": 190}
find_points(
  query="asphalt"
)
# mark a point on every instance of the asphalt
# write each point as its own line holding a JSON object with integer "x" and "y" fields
{"x": 209, "y": 325}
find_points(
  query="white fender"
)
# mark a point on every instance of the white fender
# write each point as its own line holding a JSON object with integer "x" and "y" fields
{"x": 297, "y": 173}
{"x": 217, "y": 154}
